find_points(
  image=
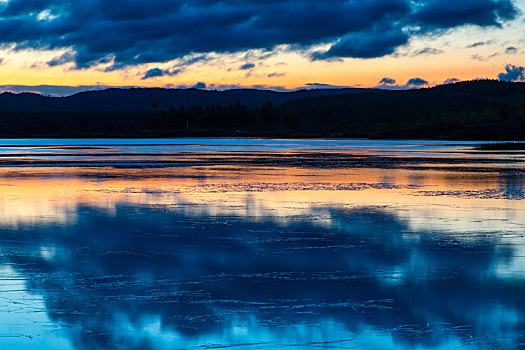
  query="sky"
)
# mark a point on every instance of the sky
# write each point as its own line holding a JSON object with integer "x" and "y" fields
{"x": 59, "y": 47}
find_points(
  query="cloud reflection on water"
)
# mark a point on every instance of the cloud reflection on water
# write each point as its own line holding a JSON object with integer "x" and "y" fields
{"x": 263, "y": 256}
{"x": 202, "y": 277}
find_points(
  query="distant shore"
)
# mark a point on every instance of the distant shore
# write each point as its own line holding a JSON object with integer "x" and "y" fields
{"x": 502, "y": 146}
{"x": 476, "y": 110}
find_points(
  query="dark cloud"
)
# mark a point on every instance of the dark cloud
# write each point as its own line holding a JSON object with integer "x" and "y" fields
{"x": 452, "y": 13}
{"x": 428, "y": 51}
{"x": 484, "y": 58}
{"x": 223, "y": 87}
{"x": 365, "y": 45}
{"x": 387, "y": 81}
{"x": 390, "y": 84}
{"x": 153, "y": 73}
{"x": 451, "y": 81}
{"x": 200, "y": 85}
{"x": 131, "y": 32}
{"x": 513, "y": 73}
{"x": 511, "y": 50}
{"x": 157, "y": 72}
{"x": 325, "y": 86}
{"x": 247, "y": 66}
{"x": 416, "y": 82}
{"x": 479, "y": 43}
{"x": 276, "y": 75}
{"x": 195, "y": 59}
{"x": 67, "y": 57}
{"x": 53, "y": 90}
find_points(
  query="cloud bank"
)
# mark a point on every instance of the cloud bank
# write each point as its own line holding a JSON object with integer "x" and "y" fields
{"x": 54, "y": 90}
{"x": 412, "y": 83}
{"x": 513, "y": 73}
{"x": 157, "y": 72}
{"x": 417, "y": 82}
{"x": 387, "y": 81}
{"x": 121, "y": 33}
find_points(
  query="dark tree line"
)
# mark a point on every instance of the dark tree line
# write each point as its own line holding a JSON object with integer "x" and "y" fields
{"x": 232, "y": 116}
{"x": 473, "y": 110}
{"x": 522, "y": 106}
{"x": 193, "y": 121}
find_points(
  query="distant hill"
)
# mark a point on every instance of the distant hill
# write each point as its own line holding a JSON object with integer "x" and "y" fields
{"x": 483, "y": 109}
{"x": 145, "y": 99}
{"x": 450, "y": 97}
{"x": 475, "y": 110}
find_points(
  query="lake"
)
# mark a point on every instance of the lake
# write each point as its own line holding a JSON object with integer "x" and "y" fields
{"x": 260, "y": 244}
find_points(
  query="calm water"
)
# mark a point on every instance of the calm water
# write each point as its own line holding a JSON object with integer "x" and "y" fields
{"x": 260, "y": 244}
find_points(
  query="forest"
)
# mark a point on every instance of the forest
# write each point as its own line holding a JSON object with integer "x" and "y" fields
{"x": 474, "y": 110}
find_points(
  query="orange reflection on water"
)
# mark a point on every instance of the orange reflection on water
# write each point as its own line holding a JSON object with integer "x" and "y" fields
{"x": 427, "y": 200}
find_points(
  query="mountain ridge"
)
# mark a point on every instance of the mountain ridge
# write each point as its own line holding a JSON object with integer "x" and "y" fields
{"x": 144, "y": 99}
{"x": 475, "y": 110}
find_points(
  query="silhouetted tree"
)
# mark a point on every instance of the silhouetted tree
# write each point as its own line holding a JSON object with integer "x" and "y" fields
{"x": 269, "y": 115}
{"x": 326, "y": 117}
{"x": 522, "y": 106}
{"x": 480, "y": 110}
{"x": 292, "y": 120}
{"x": 504, "y": 110}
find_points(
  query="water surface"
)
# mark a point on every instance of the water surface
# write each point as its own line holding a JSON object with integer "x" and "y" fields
{"x": 260, "y": 244}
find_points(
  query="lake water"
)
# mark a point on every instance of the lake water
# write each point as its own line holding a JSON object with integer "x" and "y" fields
{"x": 260, "y": 244}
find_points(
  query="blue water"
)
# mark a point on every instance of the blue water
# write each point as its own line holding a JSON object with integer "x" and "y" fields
{"x": 241, "y": 144}
{"x": 369, "y": 251}
{"x": 39, "y": 152}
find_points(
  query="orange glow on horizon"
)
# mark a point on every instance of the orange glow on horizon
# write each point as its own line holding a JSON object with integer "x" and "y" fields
{"x": 285, "y": 70}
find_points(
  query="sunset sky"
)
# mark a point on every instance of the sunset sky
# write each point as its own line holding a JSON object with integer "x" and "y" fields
{"x": 280, "y": 44}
